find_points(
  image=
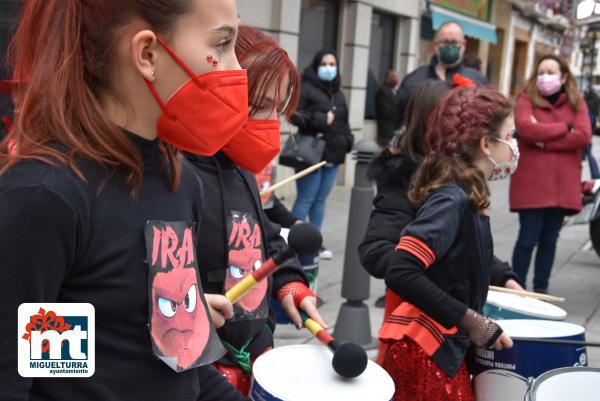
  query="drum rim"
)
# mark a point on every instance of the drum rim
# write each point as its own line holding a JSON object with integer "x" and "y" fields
{"x": 538, "y": 315}
{"x": 551, "y": 373}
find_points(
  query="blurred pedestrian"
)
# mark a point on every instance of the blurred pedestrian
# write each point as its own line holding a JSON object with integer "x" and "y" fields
{"x": 554, "y": 128}
{"x": 322, "y": 112}
{"x": 472, "y": 61}
{"x": 386, "y": 109}
{"x": 450, "y": 46}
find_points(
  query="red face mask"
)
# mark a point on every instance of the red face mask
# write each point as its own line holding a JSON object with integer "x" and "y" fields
{"x": 206, "y": 112}
{"x": 255, "y": 145}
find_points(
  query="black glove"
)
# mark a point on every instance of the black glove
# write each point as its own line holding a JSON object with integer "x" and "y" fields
{"x": 482, "y": 331}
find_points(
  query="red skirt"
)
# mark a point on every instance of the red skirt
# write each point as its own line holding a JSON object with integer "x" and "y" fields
{"x": 236, "y": 376}
{"x": 418, "y": 378}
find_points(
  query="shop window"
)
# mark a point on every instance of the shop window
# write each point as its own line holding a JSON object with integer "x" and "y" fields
{"x": 318, "y": 29}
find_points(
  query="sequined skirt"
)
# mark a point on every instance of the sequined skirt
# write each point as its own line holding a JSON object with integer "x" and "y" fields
{"x": 418, "y": 378}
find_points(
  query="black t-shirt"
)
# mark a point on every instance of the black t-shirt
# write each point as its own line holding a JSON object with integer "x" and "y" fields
{"x": 233, "y": 235}
{"x": 64, "y": 239}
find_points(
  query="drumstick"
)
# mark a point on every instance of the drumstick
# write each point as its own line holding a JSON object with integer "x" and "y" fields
{"x": 556, "y": 341}
{"x": 349, "y": 359}
{"x": 303, "y": 239}
{"x": 523, "y": 293}
{"x": 293, "y": 178}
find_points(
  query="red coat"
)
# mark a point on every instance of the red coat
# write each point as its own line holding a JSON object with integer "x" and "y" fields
{"x": 549, "y": 176}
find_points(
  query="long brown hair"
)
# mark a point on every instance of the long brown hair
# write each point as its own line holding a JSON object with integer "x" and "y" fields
{"x": 267, "y": 64}
{"x": 423, "y": 100}
{"x": 454, "y": 133}
{"x": 63, "y": 51}
{"x": 571, "y": 90}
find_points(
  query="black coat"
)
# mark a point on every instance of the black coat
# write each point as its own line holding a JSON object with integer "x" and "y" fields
{"x": 392, "y": 212}
{"x": 421, "y": 74}
{"x": 386, "y": 111}
{"x": 316, "y": 99}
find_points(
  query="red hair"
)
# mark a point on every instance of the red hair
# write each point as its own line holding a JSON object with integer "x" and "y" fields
{"x": 454, "y": 133}
{"x": 267, "y": 64}
{"x": 64, "y": 52}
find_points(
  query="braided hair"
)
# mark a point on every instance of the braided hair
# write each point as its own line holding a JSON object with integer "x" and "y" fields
{"x": 454, "y": 132}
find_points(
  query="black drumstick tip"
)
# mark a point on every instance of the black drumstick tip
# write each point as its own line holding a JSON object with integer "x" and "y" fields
{"x": 349, "y": 360}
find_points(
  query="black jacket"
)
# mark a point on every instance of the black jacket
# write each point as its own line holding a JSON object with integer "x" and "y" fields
{"x": 386, "y": 111}
{"x": 441, "y": 268}
{"x": 316, "y": 99}
{"x": 426, "y": 72}
{"x": 230, "y": 190}
{"x": 391, "y": 214}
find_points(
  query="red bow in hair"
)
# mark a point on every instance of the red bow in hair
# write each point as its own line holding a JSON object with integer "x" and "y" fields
{"x": 458, "y": 81}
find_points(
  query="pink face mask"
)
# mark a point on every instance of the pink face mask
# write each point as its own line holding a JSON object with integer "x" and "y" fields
{"x": 548, "y": 84}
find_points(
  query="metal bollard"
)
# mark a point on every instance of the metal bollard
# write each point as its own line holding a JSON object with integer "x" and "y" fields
{"x": 353, "y": 323}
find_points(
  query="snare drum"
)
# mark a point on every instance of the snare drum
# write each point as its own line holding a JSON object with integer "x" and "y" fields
{"x": 304, "y": 372}
{"x": 581, "y": 384}
{"x": 499, "y": 374}
{"x": 500, "y": 305}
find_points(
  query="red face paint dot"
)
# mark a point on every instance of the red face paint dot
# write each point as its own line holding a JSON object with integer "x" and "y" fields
{"x": 209, "y": 59}
{"x": 215, "y": 63}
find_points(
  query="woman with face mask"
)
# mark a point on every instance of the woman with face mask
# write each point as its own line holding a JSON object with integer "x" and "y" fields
{"x": 441, "y": 267}
{"x": 237, "y": 235}
{"x": 322, "y": 112}
{"x": 553, "y": 125}
{"x": 98, "y": 206}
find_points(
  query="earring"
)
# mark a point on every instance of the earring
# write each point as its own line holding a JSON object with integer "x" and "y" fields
{"x": 153, "y": 74}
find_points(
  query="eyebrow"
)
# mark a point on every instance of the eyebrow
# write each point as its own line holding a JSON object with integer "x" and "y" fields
{"x": 225, "y": 29}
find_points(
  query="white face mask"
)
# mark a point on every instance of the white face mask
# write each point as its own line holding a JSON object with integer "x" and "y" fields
{"x": 505, "y": 169}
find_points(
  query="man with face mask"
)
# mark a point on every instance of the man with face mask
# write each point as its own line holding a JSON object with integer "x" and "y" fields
{"x": 385, "y": 108}
{"x": 450, "y": 46}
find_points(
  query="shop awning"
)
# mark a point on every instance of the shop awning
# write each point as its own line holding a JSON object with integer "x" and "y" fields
{"x": 473, "y": 27}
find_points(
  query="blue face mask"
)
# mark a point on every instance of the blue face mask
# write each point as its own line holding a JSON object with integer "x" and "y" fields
{"x": 327, "y": 73}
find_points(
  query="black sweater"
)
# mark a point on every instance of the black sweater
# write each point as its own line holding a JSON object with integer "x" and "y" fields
{"x": 392, "y": 212}
{"x": 63, "y": 239}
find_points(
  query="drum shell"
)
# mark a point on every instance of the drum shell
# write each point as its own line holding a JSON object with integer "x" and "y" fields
{"x": 530, "y": 359}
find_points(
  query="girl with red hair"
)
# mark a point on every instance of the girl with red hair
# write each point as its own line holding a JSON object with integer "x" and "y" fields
{"x": 238, "y": 236}
{"x": 96, "y": 184}
{"x": 441, "y": 268}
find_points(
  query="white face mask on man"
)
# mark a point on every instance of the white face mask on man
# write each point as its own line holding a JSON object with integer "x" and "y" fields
{"x": 504, "y": 169}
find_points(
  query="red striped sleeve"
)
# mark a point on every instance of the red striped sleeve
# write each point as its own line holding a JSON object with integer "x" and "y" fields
{"x": 416, "y": 248}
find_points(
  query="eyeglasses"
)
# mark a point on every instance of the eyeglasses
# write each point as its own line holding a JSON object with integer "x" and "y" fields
{"x": 445, "y": 42}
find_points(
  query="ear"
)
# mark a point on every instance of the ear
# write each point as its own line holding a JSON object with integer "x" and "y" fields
{"x": 563, "y": 78}
{"x": 144, "y": 50}
{"x": 484, "y": 145}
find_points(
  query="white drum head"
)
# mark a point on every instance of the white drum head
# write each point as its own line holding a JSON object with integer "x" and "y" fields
{"x": 539, "y": 328}
{"x": 581, "y": 384}
{"x": 304, "y": 372}
{"x": 526, "y": 305}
